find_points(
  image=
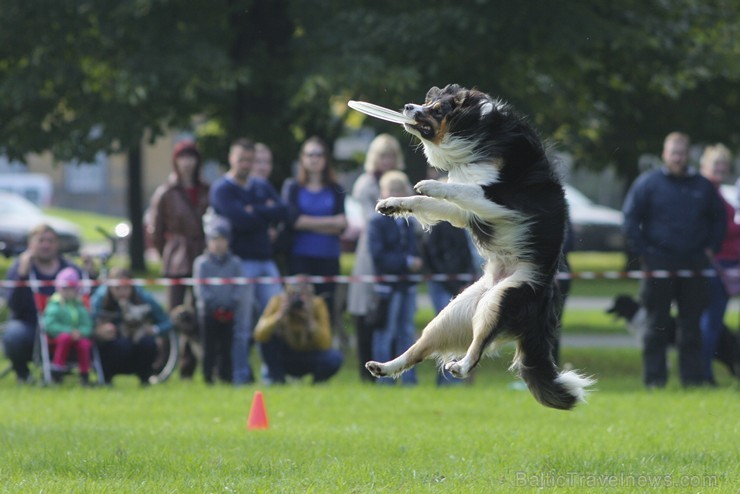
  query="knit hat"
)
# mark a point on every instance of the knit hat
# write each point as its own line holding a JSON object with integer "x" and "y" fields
{"x": 67, "y": 277}
{"x": 186, "y": 146}
{"x": 218, "y": 227}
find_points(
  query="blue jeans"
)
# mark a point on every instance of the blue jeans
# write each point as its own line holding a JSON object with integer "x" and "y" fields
{"x": 255, "y": 300}
{"x": 18, "y": 343}
{"x": 712, "y": 320}
{"x": 398, "y": 332}
{"x": 439, "y": 294}
{"x": 282, "y": 360}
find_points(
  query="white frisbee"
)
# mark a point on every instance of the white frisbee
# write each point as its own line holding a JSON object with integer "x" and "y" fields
{"x": 380, "y": 112}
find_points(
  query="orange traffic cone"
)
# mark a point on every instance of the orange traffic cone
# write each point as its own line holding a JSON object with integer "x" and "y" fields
{"x": 257, "y": 414}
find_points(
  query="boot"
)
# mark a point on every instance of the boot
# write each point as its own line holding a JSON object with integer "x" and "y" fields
{"x": 57, "y": 373}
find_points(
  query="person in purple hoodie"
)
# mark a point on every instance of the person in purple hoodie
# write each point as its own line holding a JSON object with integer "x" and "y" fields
{"x": 251, "y": 205}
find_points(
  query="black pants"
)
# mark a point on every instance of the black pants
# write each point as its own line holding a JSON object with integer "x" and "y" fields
{"x": 691, "y": 297}
{"x": 217, "y": 338}
{"x": 124, "y": 356}
{"x": 364, "y": 346}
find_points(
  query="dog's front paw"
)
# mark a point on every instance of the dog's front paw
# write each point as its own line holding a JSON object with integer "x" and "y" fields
{"x": 375, "y": 368}
{"x": 393, "y": 206}
{"x": 431, "y": 188}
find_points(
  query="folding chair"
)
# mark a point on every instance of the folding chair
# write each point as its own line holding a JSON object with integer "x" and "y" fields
{"x": 41, "y": 342}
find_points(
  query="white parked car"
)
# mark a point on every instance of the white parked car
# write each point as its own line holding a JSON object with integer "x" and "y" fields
{"x": 18, "y": 216}
{"x": 595, "y": 227}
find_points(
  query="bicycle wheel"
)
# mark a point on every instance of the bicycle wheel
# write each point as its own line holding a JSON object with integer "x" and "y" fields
{"x": 169, "y": 353}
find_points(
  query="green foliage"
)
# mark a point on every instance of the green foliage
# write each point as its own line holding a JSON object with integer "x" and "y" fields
{"x": 80, "y": 77}
{"x": 347, "y": 437}
{"x": 606, "y": 81}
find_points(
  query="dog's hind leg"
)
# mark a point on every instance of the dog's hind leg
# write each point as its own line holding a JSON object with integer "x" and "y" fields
{"x": 485, "y": 327}
{"x": 487, "y": 315}
{"x": 449, "y": 333}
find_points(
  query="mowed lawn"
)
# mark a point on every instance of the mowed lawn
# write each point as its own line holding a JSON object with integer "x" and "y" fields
{"x": 346, "y": 437}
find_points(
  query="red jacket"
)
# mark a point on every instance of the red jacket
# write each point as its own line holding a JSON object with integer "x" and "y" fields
{"x": 730, "y": 249}
{"x": 176, "y": 227}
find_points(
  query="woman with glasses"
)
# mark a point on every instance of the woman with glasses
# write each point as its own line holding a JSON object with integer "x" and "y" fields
{"x": 315, "y": 217}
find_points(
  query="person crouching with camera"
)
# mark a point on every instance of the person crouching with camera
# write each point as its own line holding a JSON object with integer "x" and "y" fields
{"x": 295, "y": 336}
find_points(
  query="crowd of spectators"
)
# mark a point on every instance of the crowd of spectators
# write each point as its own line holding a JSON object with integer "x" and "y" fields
{"x": 241, "y": 226}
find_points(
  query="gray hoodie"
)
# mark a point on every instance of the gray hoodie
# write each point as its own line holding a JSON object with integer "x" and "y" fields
{"x": 211, "y": 297}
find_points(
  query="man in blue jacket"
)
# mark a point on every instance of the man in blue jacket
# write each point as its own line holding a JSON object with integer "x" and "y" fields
{"x": 674, "y": 220}
{"x": 251, "y": 205}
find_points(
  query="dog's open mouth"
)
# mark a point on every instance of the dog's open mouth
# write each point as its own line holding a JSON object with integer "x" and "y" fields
{"x": 423, "y": 128}
{"x": 380, "y": 112}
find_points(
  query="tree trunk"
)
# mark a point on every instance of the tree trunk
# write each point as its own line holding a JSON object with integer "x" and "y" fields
{"x": 135, "y": 209}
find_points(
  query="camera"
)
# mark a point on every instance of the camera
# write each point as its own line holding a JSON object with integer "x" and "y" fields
{"x": 296, "y": 302}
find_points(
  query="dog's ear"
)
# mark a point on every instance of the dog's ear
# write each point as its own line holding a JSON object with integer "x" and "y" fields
{"x": 460, "y": 97}
{"x": 432, "y": 94}
{"x": 616, "y": 304}
{"x": 452, "y": 89}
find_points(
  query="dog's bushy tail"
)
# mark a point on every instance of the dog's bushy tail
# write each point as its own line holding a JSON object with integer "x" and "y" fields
{"x": 560, "y": 390}
{"x": 534, "y": 363}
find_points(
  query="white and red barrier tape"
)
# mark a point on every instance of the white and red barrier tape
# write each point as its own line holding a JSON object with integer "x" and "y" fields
{"x": 587, "y": 275}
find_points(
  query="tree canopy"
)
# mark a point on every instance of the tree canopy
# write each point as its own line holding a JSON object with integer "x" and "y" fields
{"x": 605, "y": 80}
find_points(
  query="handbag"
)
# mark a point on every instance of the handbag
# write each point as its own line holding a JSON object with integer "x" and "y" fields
{"x": 730, "y": 279}
{"x": 377, "y": 308}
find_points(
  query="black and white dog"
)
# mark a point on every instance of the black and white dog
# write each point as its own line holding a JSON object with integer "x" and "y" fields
{"x": 503, "y": 188}
{"x": 628, "y": 308}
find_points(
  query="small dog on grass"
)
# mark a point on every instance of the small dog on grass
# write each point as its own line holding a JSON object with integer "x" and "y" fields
{"x": 503, "y": 188}
{"x": 628, "y": 308}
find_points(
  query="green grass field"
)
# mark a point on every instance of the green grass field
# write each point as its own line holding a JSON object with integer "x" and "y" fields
{"x": 346, "y": 437}
{"x": 88, "y": 222}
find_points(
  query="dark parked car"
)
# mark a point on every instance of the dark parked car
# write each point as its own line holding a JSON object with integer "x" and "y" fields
{"x": 596, "y": 227}
{"x": 18, "y": 216}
